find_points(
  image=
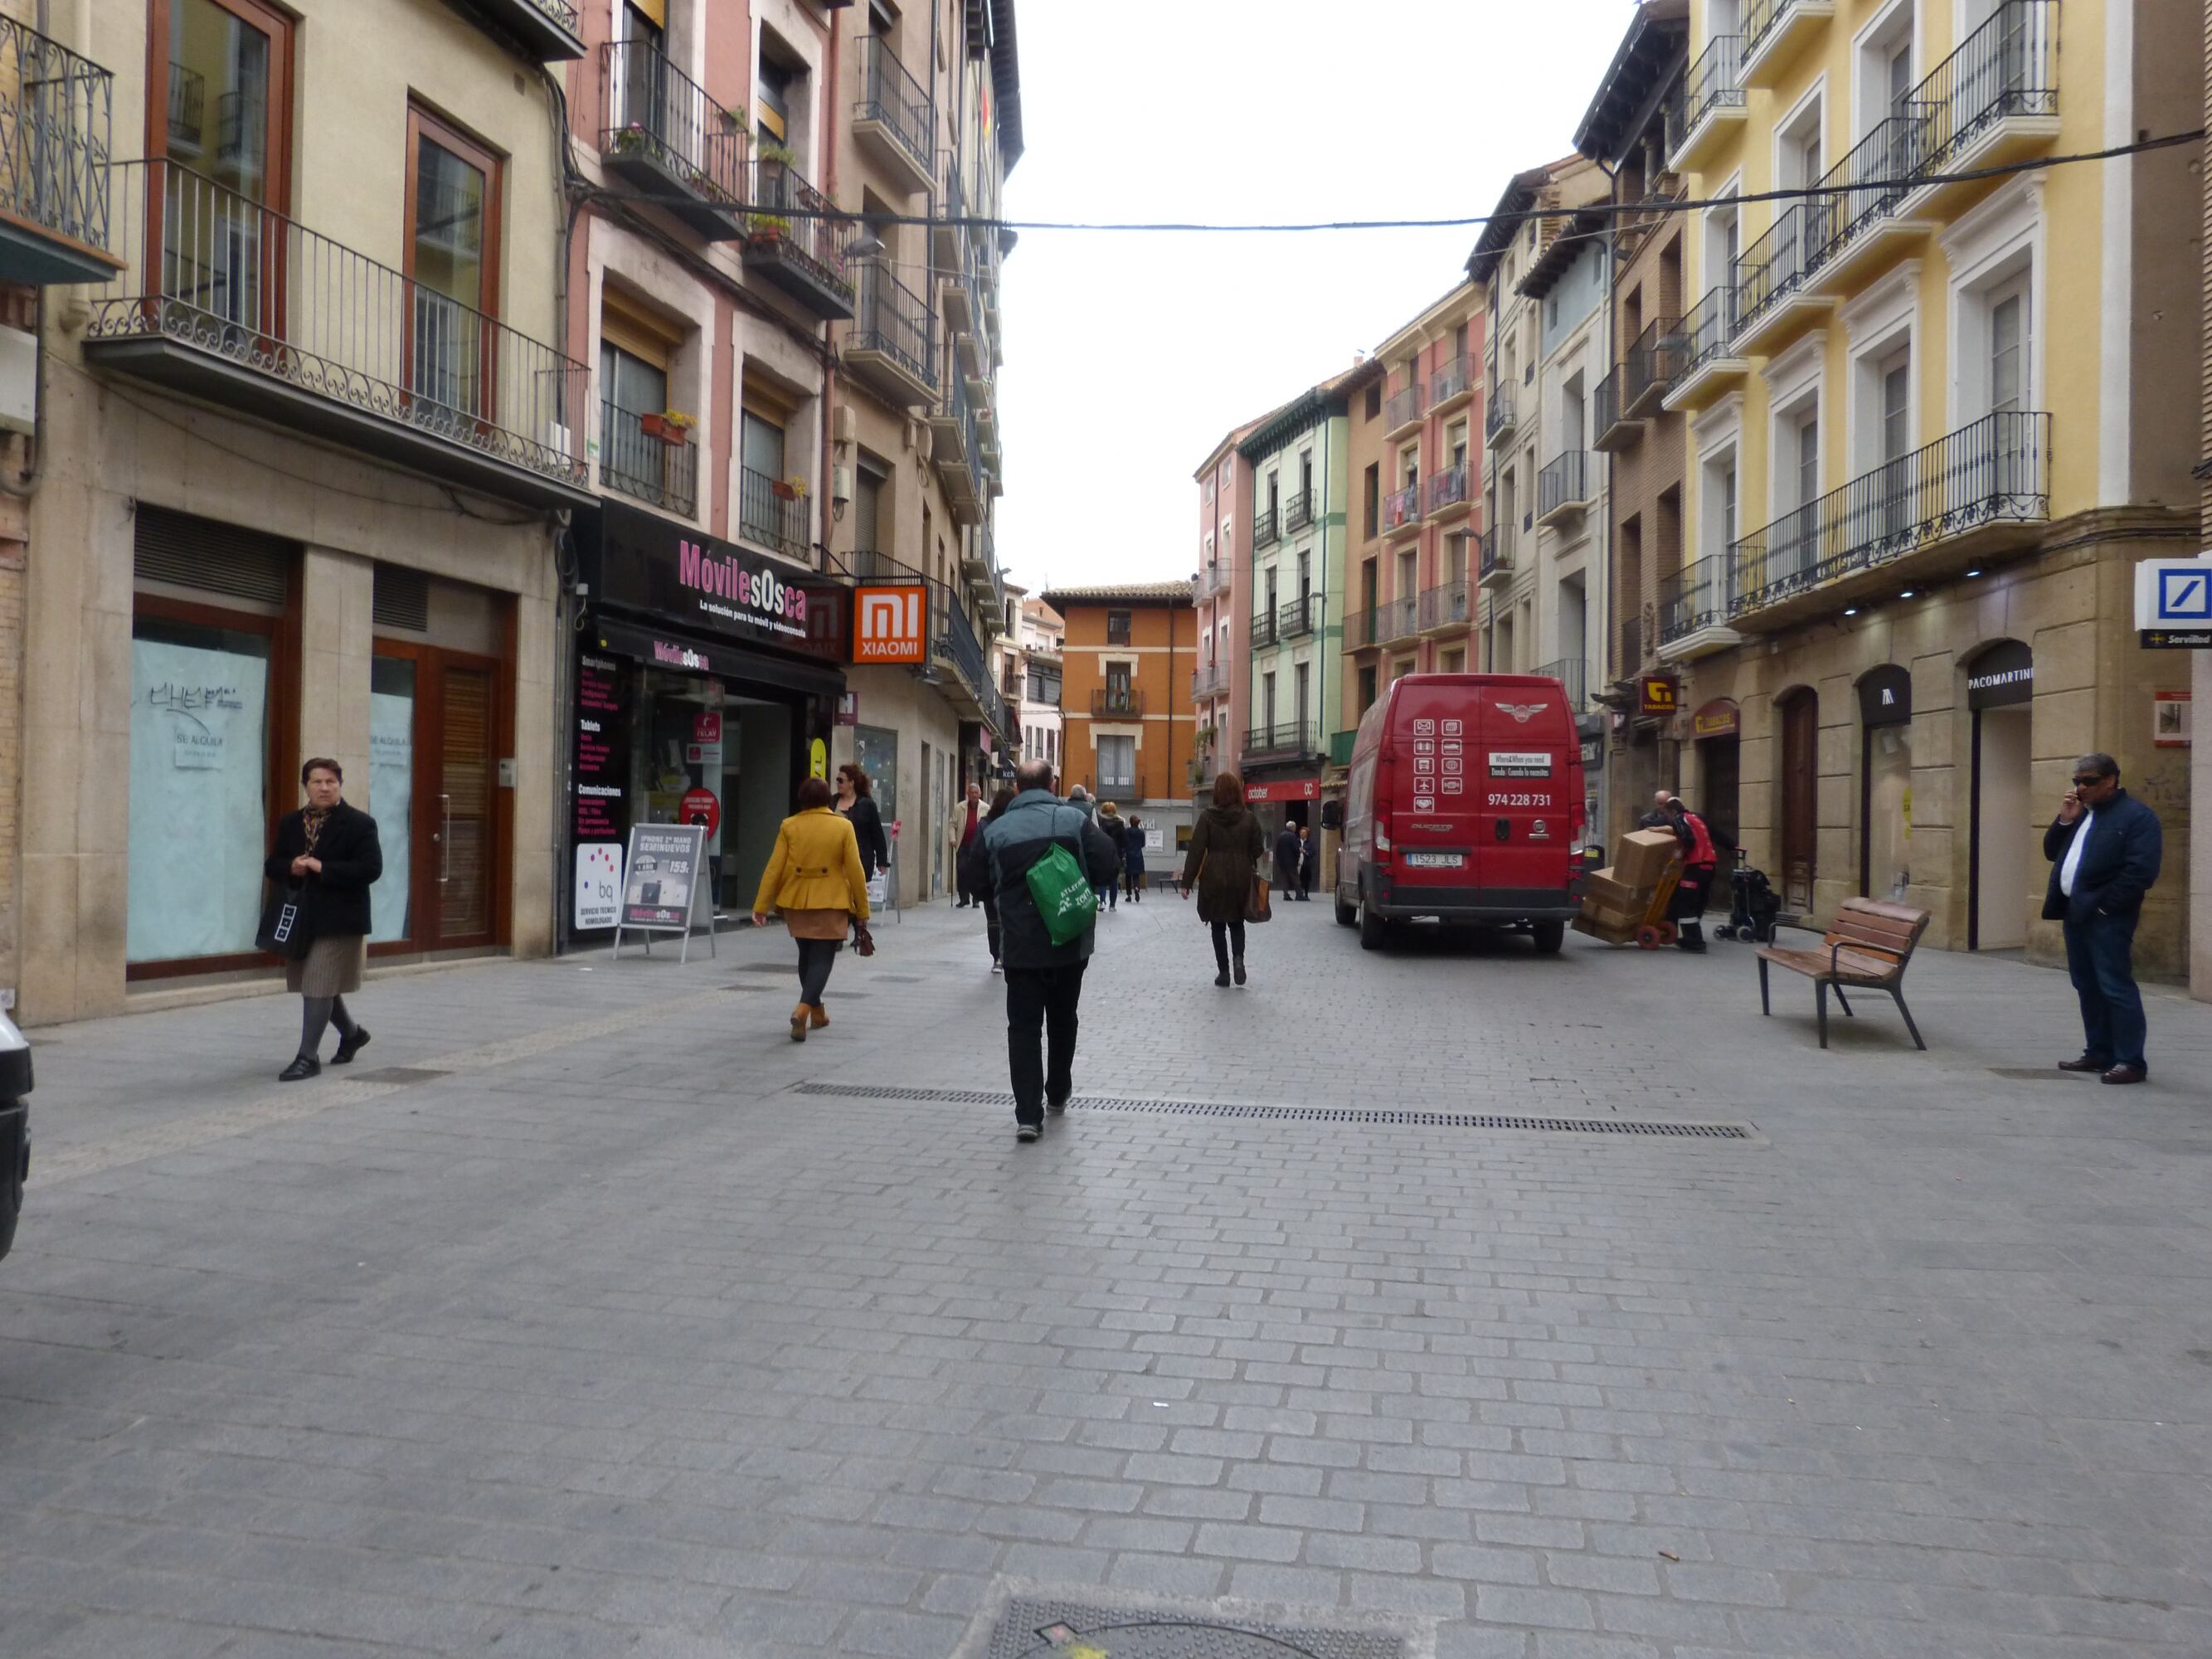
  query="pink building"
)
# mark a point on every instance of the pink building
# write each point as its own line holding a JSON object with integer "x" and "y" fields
{"x": 1222, "y": 591}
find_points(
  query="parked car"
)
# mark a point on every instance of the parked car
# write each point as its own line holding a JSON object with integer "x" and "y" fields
{"x": 14, "y": 1127}
{"x": 1465, "y": 804}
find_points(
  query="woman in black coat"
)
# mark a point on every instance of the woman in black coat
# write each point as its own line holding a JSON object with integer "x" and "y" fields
{"x": 1222, "y": 861}
{"x": 856, "y": 802}
{"x": 330, "y": 852}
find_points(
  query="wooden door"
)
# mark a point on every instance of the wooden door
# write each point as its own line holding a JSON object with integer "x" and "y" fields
{"x": 1801, "y": 740}
{"x": 466, "y": 737}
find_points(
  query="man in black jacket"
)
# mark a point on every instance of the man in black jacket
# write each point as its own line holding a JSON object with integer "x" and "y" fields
{"x": 1044, "y": 981}
{"x": 2103, "y": 849}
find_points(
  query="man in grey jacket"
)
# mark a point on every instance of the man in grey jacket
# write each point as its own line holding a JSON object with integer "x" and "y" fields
{"x": 1044, "y": 981}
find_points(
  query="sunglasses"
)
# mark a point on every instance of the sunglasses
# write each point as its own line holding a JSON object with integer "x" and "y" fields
{"x": 2087, "y": 782}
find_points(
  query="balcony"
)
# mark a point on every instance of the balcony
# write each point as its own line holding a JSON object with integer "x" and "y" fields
{"x": 1772, "y": 305}
{"x": 1291, "y": 740}
{"x": 1649, "y": 366}
{"x": 1708, "y": 103}
{"x": 1298, "y": 619}
{"x": 1706, "y": 365}
{"x": 768, "y": 517}
{"x": 894, "y": 119}
{"x": 979, "y": 556}
{"x": 220, "y": 299}
{"x": 1398, "y": 619}
{"x": 55, "y": 110}
{"x": 948, "y": 237}
{"x": 1494, "y": 565}
{"x": 795, "y": 239}
{"x": 1851, "y": 233}
{"x": 1611, "y": 430}
{"x": 893, "y": 346}
{"x": 1452, "y": 384}
{"x": 1298, "y": 512}
{"x": 1402, "y": 511}
{"x": 958, "y": 451}
{"x": 1564, "y": 488}
{"x": 1118, "y": 702}
{"x": 953, "y": 645}
{"x": 1499, "y": 421}
{"x": 1992, "y": 101}
{"x": 1775, "y": 31}
{"x": 1401, "y": 413}
{"x": 1267, "y": 528}
{"x": 1573, "y": 676}
{"x": 1210, "y": 580}
{"x": 1264, "y": 625}
{"x": 1980, "y": 491}
{"x": 1362, "y": 630}
{"x": 549, "y": 28}
{"x": 667, "y": 139}
{"x": 1693, "y": 611}
{"x": 1448, "y": 493}
{"x": 1444, "y": 610}
{"x": 1211, "y": 682}
{"x": 636, "y": 463}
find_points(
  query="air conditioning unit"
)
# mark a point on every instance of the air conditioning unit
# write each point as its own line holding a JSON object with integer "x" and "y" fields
{"x": 841, "y": 482}
{"x": 844, "y": 425}
{"x": 925, "y": 443}
{"x": 560, "y": 440}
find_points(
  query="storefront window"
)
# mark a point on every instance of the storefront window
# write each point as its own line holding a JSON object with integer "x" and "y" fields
{"x": 199, "y": 788}
{"x": 392, "y": 790}
{"x": 877, "y": 752}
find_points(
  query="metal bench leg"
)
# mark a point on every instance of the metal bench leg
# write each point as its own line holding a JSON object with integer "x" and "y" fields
{"x": 1763, "y": 1007}
{"x": 1897, "y": 996}
{"x": 1820, "y": 995}
{"x": 1848, "y": 1014}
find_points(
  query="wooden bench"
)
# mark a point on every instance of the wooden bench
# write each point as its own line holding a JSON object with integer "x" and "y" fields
{"x": 1867, "y": 949}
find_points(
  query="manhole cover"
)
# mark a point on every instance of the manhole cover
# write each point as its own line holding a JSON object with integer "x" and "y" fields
{"x": 1067, "y": 1630}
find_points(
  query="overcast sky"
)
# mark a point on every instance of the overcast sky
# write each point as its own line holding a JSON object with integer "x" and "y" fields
{"x": 1130, "y": 355}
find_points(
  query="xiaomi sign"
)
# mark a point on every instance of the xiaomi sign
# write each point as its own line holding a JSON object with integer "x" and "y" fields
{"x": 890, "y": 624}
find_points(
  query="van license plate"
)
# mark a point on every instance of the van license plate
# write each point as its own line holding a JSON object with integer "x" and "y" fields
{"x": 1436, "y": 860}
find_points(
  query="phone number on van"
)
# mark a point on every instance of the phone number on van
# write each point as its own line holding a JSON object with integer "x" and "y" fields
{"x": 1497, "y": 799}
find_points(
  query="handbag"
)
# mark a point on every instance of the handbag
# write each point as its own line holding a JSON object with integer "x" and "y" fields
{"x": 1257, "y": 903}
{"x": 284, "y": 931}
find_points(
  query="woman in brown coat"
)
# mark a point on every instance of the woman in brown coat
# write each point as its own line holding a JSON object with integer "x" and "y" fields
{"x": 1225, "y": 850}
{"x": 815, "y": 878}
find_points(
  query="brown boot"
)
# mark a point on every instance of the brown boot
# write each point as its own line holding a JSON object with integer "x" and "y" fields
{"x": 799, "y": 1024}
{"x": 817, "y": 1016}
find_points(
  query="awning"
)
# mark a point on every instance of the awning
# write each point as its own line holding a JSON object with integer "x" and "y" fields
{"x": 687, "y": 653}
{"x": 1284, "y": 789}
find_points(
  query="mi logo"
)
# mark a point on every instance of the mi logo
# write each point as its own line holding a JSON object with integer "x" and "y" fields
{"x": 890, "y": 625}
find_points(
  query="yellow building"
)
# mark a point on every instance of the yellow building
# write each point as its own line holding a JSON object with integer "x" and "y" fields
{"x": 1930, "y": 434}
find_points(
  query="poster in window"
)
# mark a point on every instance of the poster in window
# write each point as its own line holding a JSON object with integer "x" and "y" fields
{"x": 198, "y": 818}
{"x": 391, "y": 801}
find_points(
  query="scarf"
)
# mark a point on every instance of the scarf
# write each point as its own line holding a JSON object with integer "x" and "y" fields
{"x": 312, "y": 822}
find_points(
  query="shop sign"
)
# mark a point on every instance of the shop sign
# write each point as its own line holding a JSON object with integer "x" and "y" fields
{"x": 849, "y": 708}
{"x": 602, "y": 752}
{"x": 699, "y": 806}
{"x": 2169, "y": 719}
{"x": 817, "y": 759}
{"x": 664, "y": 861}
{"x": 707, "y": 729}
{"x": 1656, "y": 693}
{"x": 1886, "y": 696}
{"x": 1283, "y": 789}
{"x": 2173, "y": 603}
{"x": 1718, "y": 719}
{"x": 2003, "y": 674}
{"x": 892, "y": 625}
{"x": 598, "y": 884}
{"x": 648, "y": 563}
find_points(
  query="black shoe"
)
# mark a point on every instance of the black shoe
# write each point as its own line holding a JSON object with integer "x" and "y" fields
{"x": 1057, "y": 1108}
{"x": 1029, "y": 1132}
{"x": 348, "y": 1047}
{"x": 1222, "y": 978}
{"x": 2127, "y": 1074}
{"x": 2084, "y": 1064}
{"x": 303, "y": 1066}
{"x": 1240, "y": 971}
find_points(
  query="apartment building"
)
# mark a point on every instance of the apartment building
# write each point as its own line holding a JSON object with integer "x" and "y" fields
{"x": 1222, "y": 594}
{"x": 1041, "y": 639}
{"x": 792, "y": 414}
{"x": 1417, "y": 466}
{"x": 1931, "y": 433}
{"x": 1641, "y": 441}
{"x": 305, "y": 423}
{"x": 1130, "y": 728}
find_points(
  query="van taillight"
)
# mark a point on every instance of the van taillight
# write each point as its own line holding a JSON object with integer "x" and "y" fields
{"x": 1579, "y": 819}
{"x": 1382, "y": 832}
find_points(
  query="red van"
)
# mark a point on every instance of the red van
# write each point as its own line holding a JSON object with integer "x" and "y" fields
{"x": 1465, "y": 804}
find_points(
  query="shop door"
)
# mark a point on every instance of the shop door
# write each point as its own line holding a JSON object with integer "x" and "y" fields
{"x": 1720, "y": 764}
{"x": 1801, "y": 748}
{"x": 2004, "y": 829}
{"x": 434, "y": 792}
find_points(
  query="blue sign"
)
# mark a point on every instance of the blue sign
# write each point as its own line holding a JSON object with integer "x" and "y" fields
{"x": 2185, "y": 596}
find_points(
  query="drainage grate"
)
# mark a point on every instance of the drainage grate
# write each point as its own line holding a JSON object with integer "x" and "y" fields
{"x": 1642, "y": 1128}
{"x": 1039, "y": 1629}
{"x": 400, "y": 1074}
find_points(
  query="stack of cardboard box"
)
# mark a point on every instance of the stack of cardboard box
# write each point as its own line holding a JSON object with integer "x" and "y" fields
{"x": 1617, "y": 899}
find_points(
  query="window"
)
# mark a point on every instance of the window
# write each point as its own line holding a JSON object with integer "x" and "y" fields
{"x": 1117, "y": 628}
{"x": 1117, "y": 764}
{"x": 229, "y": 68}
{"x": 631, "y": 387}
{"x": 1454, "y": 661}
{"x": 1301, "y": 681}
{"x": 1267, "y": 702}
{"x": 1306, "y": 475}
{"x": 1305, "y": 573}
{"x": 1896, "y": 375}
{"x": 1367, "y": 688}
{"x": 1374, "y": 409}
{"x": 2008, "y": 345}
{"x": 1797, "y": 147}
{"x": 1371, "y": 504}
{"x": 451, "y": 260}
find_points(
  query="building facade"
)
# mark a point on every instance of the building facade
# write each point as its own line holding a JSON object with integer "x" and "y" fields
{"x": 1041, "y": 640}
{"x": 1930, "y": 436}
{"x": 1222, "y": 594}
{"x": 1125, "y": 701}
{"x": 305, "y": 434}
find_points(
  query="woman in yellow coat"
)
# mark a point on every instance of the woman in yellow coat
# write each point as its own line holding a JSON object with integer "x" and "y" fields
{"x": 816, "y": 879}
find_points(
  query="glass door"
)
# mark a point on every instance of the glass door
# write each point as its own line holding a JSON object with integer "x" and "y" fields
{"x": 224, "y": 138}
{"x": 452, "y": 206}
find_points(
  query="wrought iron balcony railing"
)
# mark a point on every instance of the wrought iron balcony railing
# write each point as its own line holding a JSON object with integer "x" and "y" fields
{"x": 1401, "y": 508}
{"x": 1398, "y": 619}
{"x": 1866, "y": 186}
{"x": 893, "y": 101}
{"x": 1564, "y": 482}
{"x": 56, "y": 110}
{"x": 1113, "y": 700}
{"x": 768, "y": 518}
{"x": 1298, "y": 618}
{"x": 637, "y": 462}
{"x": 1650, "y": 365}
{"x": 1605, "y": 404}
{"x": 1760, "y": 18}
{"x": 1449, "y": 487}
{"x": 1211, "y": 579}
{"x": 1298, "y": 512}
{"x": 1771, "y": 269}
{"x": 1209, "y": 681}
{"x": 1694, "y": 598}
{"x": 1444, "y": 605}
{"x": 225, "y": 298}
{"x": 2008, "y": 66}
{"x": 952, "y": 643}
{"x": 1499, "y": 416}
{"x": 1995, "y": 470}
{"x": 1494, "y": 553}
{"x": 1402, "y": 407}
{"x": 1360, "y": 629}
{"x": 1285, "y": 738}
{"x": 670, "y": 139}
{"x": 1705, "y": 333}
{"x": 1714, "y": 83}
{"x": 892, "y": 323}
{"x": 549, "y": 28}
{"x": 1266, "y": 528}
{"x": 1454, "y": 378}
{"x": 1264, "y": 632}
{"x": 1573, "y": 676}
{"x": 794, "y": 238}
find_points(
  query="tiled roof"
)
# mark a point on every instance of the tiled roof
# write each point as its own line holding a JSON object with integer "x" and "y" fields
{"x": 1120, "y": 593}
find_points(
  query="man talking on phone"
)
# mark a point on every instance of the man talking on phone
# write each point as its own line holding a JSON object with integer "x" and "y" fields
{"x": 2103, "y": 849}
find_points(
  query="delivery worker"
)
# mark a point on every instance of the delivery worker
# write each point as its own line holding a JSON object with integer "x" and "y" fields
{"x": 1699, "y": 860}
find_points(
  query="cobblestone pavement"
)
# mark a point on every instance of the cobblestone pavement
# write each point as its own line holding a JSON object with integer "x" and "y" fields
{"x": 564, "y": 1326}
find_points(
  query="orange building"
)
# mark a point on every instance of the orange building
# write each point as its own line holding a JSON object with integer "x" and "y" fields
{"x": 1129, "y": 727}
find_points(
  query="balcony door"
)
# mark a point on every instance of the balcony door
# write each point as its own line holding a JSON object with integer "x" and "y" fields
{"x": 225, "y": 131}
{"x": 452, "y": 263}
{"x": 1120, "y": 680}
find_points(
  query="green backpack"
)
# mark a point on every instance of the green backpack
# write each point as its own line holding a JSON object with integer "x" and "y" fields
{"x": 1064, "y": 895}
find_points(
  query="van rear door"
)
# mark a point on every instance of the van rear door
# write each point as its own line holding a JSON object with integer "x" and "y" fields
{"x": 1432, "y": 820}
{"x": 1529, "y": 774}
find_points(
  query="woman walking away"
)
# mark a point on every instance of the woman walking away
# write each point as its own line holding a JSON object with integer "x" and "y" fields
{"x": 1109, "y": 820}
{"x": 1225, "y": 854}
{"x": 1132, "y": 857}
{"x": 814, "y": 876}
{"x": 856, "y": 805}
{"x": 330, "y": 851}
{"x": 976, "y": 872}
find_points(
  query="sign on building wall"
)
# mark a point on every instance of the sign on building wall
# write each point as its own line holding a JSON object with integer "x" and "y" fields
{"x": 2174, "y": 603}
{"x": 890, "y": 624}
{"x": 1656, "y": 693}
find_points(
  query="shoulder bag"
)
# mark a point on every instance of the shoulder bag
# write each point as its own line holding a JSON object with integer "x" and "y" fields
{"x": 1063, "y": 893}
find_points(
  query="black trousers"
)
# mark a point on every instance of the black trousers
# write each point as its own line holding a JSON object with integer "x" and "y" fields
{"x": 993, "y": 934}
{"x": 1041, "y": 1004}
{"x": 1225, "y": 934}
{"x": 816, "y": 957}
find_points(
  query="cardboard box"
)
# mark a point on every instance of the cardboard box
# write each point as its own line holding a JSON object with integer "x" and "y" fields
{"x": 1643, "y": 857}
{"x": 1605, "y": 888}
{"x": 1630, "y": 916}
{"x": 1598, "y": 930}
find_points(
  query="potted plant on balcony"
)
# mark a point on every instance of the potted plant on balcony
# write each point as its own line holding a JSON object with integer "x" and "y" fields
{"x": 766, "y": 229}
{"x": 789, "y": 489}
{"x": 670, "y": 426}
